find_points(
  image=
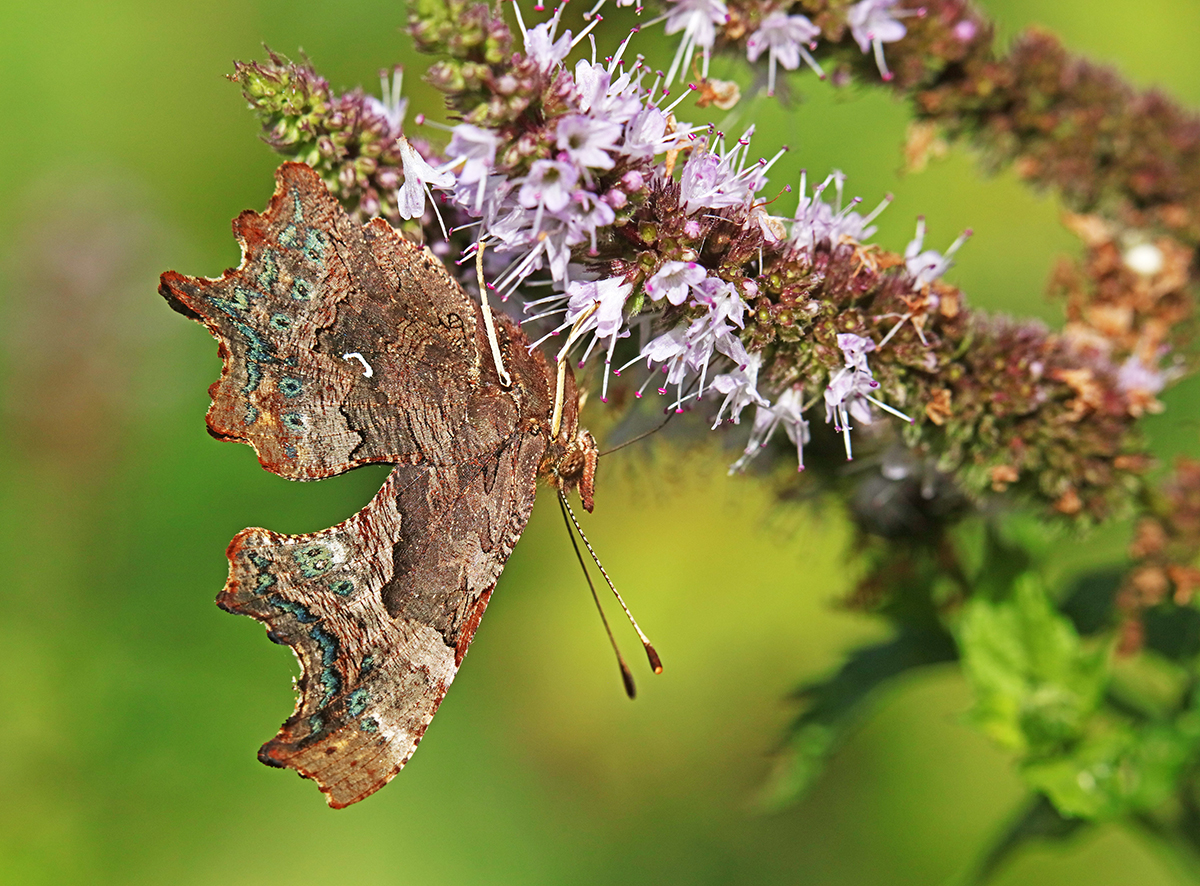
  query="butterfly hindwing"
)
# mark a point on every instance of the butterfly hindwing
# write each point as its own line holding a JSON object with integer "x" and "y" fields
{"x": 380, "y": 610}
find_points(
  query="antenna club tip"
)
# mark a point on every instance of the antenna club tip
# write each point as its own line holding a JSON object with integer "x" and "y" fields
{"x": 655, "y": 661}
{"x": 627, "y": 680}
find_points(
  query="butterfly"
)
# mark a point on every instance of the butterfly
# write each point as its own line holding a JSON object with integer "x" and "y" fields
{"x": 344, "y": 345}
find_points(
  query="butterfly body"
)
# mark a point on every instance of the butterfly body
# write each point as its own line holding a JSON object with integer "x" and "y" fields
{"x": 344, "y": 345}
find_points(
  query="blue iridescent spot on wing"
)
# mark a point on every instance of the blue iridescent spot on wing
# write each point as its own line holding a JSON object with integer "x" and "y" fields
{"x": 356, "y": 703}
{"x": 313, "y": 560}
{"x": 328, "y": 643}
{"x": 268, "y": 275}
{"x": 264, "y": 581}
{"x": 298, "y": 611}
{"x": 314, "y": 245}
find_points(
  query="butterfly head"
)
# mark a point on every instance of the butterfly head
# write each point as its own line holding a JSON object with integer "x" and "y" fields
{"x": 570, "y": 464}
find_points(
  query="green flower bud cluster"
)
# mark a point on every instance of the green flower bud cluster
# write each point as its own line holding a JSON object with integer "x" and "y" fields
{"x": 484, "y": 82}
{"x": 348, "y": 139}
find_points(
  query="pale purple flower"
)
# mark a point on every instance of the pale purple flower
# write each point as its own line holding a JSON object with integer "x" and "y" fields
{"x": 786, "y": 39}
{"x": 687, "y": 347}
{"x": 965, "y": 30}
{"x": 875, "y": 22}
{"x": 549, "y": 185}
{"x": 591, "y": 84}
{"x": 787, "y": 411}
{"x": 418, "y": 177}
{"x": 713, "y": 181}
{"x": 846, "y": 397}
{"x": 674, "y": 280}
{"x": 696, "y": 19}
{"x": 700, "y": 180}
{"x": 540, "y": 44}
{"x": 473, "y": 150}
{"x": 848, "y": 394}
{"x": 855, "y": 349}
{"x": 603, "y": 97}
{"x": 926, "y": 266}
{"x": 1137, "y": 377}
{"x": 723, "y": 303}
{"x": 816, "y": 221}
{"x": 608, "y": 295}
{"x": 590, "y": 213}
{"x": 740, "y": 388}
{"x": 392, "y": 107}
{"x": 667, "y": 347}
{"x": 646, "y": 134}
{"x": 586, "y": 141}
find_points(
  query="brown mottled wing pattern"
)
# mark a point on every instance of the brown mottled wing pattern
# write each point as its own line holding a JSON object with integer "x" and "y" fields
{"x": 380, "y": 610}
{"x": 341, "y": 344}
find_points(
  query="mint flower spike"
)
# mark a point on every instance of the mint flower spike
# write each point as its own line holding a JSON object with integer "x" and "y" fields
{"x": 787, "y": 39}
{"x": 875, "y": 22}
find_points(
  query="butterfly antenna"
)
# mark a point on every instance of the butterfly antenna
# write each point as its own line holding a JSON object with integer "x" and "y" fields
{"x": 626, "y": 674}
{"x": 488, "y": 322}
{"x": 654, "y": 430}
{"x": 561, "y": 381}
{"x": 651, "y": 654}
{"x": 642, "y": 436}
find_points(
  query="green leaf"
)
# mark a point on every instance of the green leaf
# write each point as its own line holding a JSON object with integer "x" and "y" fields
{"x": 1035, "y": 685}
{"x": 1120, "y": 771}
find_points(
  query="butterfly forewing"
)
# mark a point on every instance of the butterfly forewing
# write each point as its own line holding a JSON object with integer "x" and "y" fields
{"x": 341, "y": 344}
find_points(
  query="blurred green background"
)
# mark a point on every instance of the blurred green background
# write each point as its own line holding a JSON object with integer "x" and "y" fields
{"x": 131, "y": 708}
